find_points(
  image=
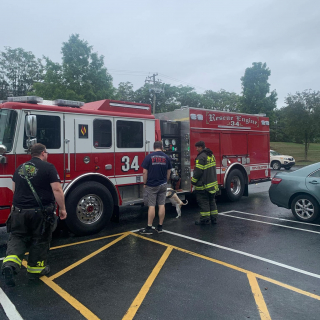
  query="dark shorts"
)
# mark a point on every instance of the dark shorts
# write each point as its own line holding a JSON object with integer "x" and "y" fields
{"x": 155, "y": 195}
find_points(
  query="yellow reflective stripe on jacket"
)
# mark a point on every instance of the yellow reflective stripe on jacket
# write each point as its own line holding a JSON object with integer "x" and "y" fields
{"x": 199, "y": 187}
{"x": 209, "y": 165}
{"x": 214, "y": 212}
{"x": 35, "y": 269}
{"x": 200, "y": 166}
{"x": 12, "y": 258}
{"x": 209, "y": 185}
{"x": 194, "y": 180}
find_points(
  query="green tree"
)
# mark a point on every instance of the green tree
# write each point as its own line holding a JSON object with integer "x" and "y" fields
{"x": 125, "y": 92}
{"x": 81, "y": 76}
{"x": 303, "y": 117}
{"x": 278, "y": 127}
{"x": 19, "y": 70}
{"x": 256, "y": 96}
{"x": 221, "y": 100}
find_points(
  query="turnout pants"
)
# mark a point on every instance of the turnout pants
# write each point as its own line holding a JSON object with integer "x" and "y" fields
{"x": 29, "y": 231}
{"x": 207, "y": 203}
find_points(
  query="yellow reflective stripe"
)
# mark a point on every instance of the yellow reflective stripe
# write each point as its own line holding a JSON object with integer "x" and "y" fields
{"x": 199, "y": 188}
{"x": 211, "y": 184}
{"x": 35, "y": 269}
{"x": 205, "y": 214}
{"x": 13, "y": 259}
{"x": 209, "y": 165}
{"x": 194, "y": 180}
{"x": 200, "y": 166}
{"x": 214, "y": 212}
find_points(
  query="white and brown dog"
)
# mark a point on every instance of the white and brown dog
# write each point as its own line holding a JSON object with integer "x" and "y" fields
{"x": 175, "y": 201}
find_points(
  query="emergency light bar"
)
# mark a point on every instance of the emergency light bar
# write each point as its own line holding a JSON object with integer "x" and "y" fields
{"x": 68, "y": 103}
{"x": 128, "y": 106}
{"x": 25, "y": 99}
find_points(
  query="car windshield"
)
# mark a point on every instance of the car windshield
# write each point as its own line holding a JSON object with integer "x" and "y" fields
{"x": 274, "y": 153}
{"x": 8, "y": 119}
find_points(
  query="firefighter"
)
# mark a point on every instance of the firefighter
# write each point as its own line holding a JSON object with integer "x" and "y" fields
{"x": 205, "y": 184}
{"x": 36, "y": 186}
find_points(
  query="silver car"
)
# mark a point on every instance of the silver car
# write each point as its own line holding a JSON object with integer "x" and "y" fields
{"x": 299, "y": 191}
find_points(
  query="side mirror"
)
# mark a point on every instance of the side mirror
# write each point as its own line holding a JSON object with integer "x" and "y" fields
{"x": 3, "y": 149}
{"x": 31, "y": 126}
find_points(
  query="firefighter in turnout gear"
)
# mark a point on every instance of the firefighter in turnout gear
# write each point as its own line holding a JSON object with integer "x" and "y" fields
{"x": 205, "y": 184}
{"x": 36, "y": 186}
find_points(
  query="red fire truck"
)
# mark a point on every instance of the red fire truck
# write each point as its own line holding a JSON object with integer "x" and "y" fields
{"x": 98, "y": 148}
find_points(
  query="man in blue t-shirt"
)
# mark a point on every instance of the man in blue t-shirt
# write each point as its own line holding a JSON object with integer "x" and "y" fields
{"x": 156, "y": 172}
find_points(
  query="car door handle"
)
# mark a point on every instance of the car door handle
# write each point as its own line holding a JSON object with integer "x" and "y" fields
{"x": 314, "y": 182}
{"x": 108, "y": 166}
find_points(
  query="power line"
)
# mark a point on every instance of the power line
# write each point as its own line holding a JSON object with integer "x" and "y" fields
{"x": 143, "y": 73}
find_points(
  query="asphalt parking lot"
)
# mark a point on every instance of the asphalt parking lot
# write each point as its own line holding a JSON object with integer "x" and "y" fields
{"x": 256, "y": 263}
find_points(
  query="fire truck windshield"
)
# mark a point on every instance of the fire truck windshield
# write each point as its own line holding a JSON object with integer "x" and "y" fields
{"x": 8, "y": 119}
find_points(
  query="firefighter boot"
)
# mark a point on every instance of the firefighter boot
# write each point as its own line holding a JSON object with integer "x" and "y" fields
{"x": 202, "y": 221}
{"x": 213, "y": 219}
{"x": 35, "y": 276}
{"x": 8, "y": 274}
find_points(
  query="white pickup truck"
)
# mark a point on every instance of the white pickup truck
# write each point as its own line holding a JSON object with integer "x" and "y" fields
{"x": 278, "y": 161}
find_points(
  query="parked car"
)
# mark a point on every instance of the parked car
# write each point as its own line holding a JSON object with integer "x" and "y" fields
{"x": 278, "y": 161}
{"x": 299, "y": 191}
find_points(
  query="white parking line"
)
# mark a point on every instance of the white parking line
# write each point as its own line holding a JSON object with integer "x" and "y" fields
{"x": 273, "y": 224}
{"x": 8, "y": 307}
{"x": 281, "y": 219}
{"x": 247, "y": 254}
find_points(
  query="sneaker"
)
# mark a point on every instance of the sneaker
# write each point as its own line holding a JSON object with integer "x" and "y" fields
{"x": 159, "y": 228}
{"x": 213, "y": 219}
{"x": 35, "y": 276}
{"x": 202, "y": 222}
{"x": 8, "y": 275}
{"x": 148, "y": 230}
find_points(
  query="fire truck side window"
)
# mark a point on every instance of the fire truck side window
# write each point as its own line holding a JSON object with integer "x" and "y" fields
{"x": 129, "y": 134}
{"x": 48, "y": 132}
{"x": 102, "y": 134}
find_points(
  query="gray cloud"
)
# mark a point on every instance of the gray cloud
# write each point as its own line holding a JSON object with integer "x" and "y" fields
{"x": 207, "y": 44}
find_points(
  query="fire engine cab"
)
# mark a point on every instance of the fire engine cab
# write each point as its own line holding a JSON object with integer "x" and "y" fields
{"x": 98, "y": 148}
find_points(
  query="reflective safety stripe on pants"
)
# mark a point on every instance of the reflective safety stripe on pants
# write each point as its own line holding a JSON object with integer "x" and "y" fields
{"x": 207, "y": 204}
{"x": 12, "y": 258}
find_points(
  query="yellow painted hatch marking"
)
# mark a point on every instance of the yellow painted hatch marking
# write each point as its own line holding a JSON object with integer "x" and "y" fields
{"x": 66, "y": 296}
{"x": 281, "y": 284}
{"x": 147, "y": 285}
{"x": 258, "y": 297}
{"x": 60, "y": 273}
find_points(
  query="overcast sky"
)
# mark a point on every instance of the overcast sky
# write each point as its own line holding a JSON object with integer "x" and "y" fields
{"x": 207, "y": 44}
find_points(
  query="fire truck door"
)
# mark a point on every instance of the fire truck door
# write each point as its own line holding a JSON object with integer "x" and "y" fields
{"x": 83, "y": 137}
{"x": 49, "y": 133}
{"x": 130, "y": 146}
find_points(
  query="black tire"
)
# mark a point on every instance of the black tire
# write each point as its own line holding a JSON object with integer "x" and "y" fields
{"x": 235, "y": 185}
{"x": 89, "y": 208}
{"x": 276, "y": 165}
{"x": 305, "y": 208}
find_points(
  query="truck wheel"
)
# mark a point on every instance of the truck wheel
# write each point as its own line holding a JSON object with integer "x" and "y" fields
{"x": 235, "y": 185}
{"x": 305, "y": 208}
{"x": 89, "y": 208}
{"x": 276, "y": 165}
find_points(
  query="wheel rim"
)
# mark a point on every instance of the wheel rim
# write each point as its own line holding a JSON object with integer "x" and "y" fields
{"x": 304, "y": 208}
{"x": 276, "y": 166}
{"x": 89, "y": 209}
{"x": 235, "y": 185}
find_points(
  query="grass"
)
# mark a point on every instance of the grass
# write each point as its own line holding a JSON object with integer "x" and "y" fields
{"x": 296, "y": 150}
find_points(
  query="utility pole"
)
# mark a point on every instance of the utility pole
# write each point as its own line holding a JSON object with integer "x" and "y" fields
{"x": 155, "y": 88}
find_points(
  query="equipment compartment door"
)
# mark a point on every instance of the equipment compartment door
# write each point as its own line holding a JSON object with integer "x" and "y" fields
{"x": 83, "y": 137}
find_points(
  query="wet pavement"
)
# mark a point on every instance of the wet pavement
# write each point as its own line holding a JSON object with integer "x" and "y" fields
{"x": 258, "y": 262}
